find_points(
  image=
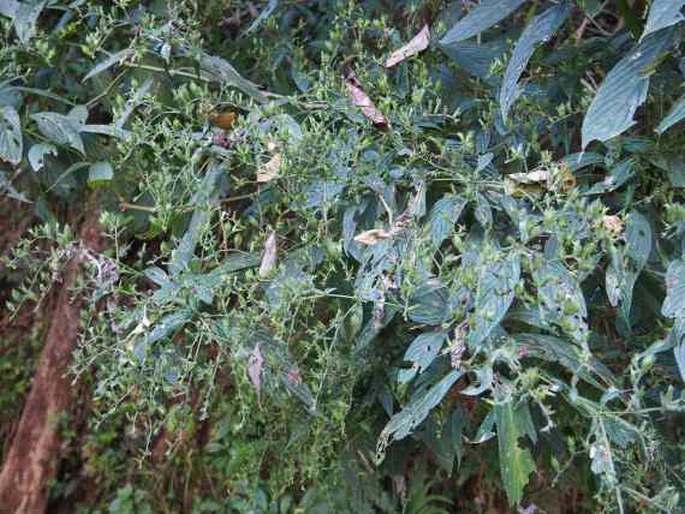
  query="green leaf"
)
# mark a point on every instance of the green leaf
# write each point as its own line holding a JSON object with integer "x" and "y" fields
{"x": 679, "y": 353}
{"x": 675, "y": 115}
{"x": 516, "y": 463}
{"x": 106, "y": 130}
{"x": 11, "y": 140}
{"x": 112, "y": 60}
{"x": 429, "y": 303}
{"x": 662, "y": 14}
{"x": 404, "y": 422}
{"x": 538, "y": 31}
{"x": 481, "y": 17}
{"x": 623, "y": 270}
{"x": 61, "y": 129}
{"x": 25, "y": 19}
{"x": 421, "y": 353}
{"x": 38, "y": 152}
{"x": 100, "y": 172}
{"x": 475, "y": 58}
{"x": 674, "y": 303}
{"x": 623, "y": 91}
{"x": 222, "y": 71}
{"x": 443, "y": 216}
{"x": 494, "y": 296}
{"x": 561, "y": 300}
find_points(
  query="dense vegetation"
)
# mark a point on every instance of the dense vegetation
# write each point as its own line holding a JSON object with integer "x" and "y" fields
{"x": 382, "y": 256}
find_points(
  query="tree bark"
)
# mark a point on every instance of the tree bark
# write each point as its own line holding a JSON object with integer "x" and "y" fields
{"x": 33, "y": 456}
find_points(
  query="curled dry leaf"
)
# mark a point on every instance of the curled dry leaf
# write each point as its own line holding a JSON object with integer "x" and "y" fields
{"x": 270, "y": 170}
{"x": 270, "y": 255}
{"x": 363, "y": 101}
{"x": 371, "y": 237}
{"x": 254, "y": 368}
{"x": 613, "y": 224}
{"x": 418, "y": 44}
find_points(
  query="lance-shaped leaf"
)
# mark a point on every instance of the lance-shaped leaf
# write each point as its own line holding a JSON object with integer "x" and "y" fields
{"x": 662, "y": 14}
{"x": 482, "y": 17}
{"x": 112, "y": 60}
{"x": 516, "y": 463}
{"x": 417, "y": 44}
{"x": 363, "y": 101}
{"x": 443, "y": 216}
{"x": 495, "y": 294}
{"x": 624, "y": 90}
{"x": 421, "y": 353}
{"x": 11, "y": 141}
{"x": 538, "y": 31}
{"x": 270, "y": 256}
{"x": 675, "y": 115}
{"x": 624, "y": 270}
{"x": 404, "y": 422}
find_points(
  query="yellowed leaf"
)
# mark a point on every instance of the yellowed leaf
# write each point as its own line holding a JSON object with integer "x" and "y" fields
{"x": 418, "y": 44}
{"x": 270, "y": 170}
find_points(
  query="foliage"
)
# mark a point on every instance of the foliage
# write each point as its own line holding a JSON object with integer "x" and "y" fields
{"x": 336, "y": 286}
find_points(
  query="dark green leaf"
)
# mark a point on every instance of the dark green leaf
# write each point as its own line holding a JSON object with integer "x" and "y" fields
{"x": 11, "y": 140}
{"x": 421, "y": 353}
{"x": 675, "y": 115}
{"x": 480, "y": 18}
{"x": 662, "y": 14}
{"x": 443, "y": 216}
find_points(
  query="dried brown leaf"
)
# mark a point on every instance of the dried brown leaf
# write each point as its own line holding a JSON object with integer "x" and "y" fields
{"x": 271, "y": 170}
{"x": 270, "y": 256}
{"x": 254, "y": 368}
{"x": 418, "y": 44}
{"x": 364, "y": 102}
{"x": 371, "y": 237}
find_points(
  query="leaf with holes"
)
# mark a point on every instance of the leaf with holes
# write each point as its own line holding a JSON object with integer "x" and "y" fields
{"x": 421, "y": 353}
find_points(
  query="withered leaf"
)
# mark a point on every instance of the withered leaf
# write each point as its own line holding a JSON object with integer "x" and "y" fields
{"x": 364, "y": 102}
{"x": 418, "y": 44}
{"x": 254, "y": 368}
{"x": 270, "y": 255}
{"x": 270, "y": 170}
{"x": 371, "y": 237}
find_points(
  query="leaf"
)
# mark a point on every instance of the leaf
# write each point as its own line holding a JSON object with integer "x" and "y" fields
{"x": 480, "y": 18}
{"x": 254, "y": 368}
{"x": 561, "y": 300}
{"x": 496, "y": 283}
{"x": 475, "y": 58}
{"x": 443, "y": 216}
{"x": 271, "y": 170}
{"x": 105, "y": 130}
{"x": 100, "y": 172}
{"x": 404, "y": 422}
{"x": 623, "y": 270}
{"x": 538, "y": 31}
{"x": 220, "y": 70}
{"x": 679, "y": 353}
{"x": 421, "y": 353}
{"x": 516, "y": 463}
{"x": 675, "y": 115}
{"x": 429, "y": 303}
{"x": 163, "y": 328}
{"x": 38, "y": 152}
{"x": 674, "y": 303}
{"x": 11, "y": 140}
{"x": 371, "y": 237}
{"x": 270, "y": 256}
{"x": 25, "y": 19}
{"x": 417, "y": 44}
{"x": 9, "y": 8}
{"x": 364, "y": 102}
{"x": 623, "y": 91}
{"x": 112, "y": 60}
{"x": 61, "y": 129}
{"x": 662, "y": 14}
{"x": 263, "y": 16}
